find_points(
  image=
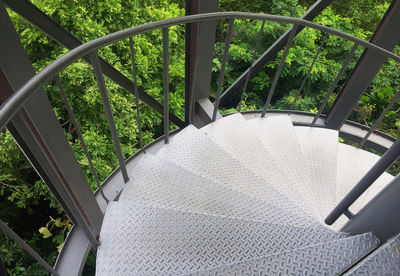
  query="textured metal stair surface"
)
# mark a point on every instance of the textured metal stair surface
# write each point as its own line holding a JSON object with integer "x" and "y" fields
{"x": 329, "y": 258}
{"x": 353, "y": 164}
{"x": 384, "y": 261}
{"x": 195, "y": 152}
{"x": 159, "y": 183}
{"x": 319, "y": 148}
{"x": 147, "y": 240}
{"x": 279, "y": 139}
{"x": 241, "y": 197}
{"x": 235, "y": 136}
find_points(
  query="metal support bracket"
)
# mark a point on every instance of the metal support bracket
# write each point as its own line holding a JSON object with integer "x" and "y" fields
{"x": 387, "y": 36}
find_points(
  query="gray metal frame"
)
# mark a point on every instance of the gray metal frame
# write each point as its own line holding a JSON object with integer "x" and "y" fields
{"x": 387, "y": 36}
{"x": 13, "y": 107}
{"x": 49, "y": 151}
{"x": 381, "y": 214}
{"x": 55, "y": 31}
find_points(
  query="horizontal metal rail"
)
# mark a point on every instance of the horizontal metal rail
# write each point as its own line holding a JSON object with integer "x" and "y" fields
{"x": 14, "y": 103}
{"x": 11, "y": 107}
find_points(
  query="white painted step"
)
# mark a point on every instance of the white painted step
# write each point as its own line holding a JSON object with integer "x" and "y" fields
{"x": 142, "y": 240}
{"x": 353, "y": 164}
{"x": 195, "y": 152}
{"x": 159, "y": 183}
{"x": 320, "y": 147}
{"x": 234, "y": 135}
{"x": 279, "y": 139}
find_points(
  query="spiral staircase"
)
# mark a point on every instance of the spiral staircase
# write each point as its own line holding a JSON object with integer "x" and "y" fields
{"x": 238, "y": 197}
{"x": 269, "y": 192}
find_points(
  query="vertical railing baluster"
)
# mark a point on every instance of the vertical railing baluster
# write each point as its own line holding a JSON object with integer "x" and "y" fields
{"x": 251, "y": 65}
{"x": 7, "y": 230}
{"x": 166, "y": 83}
{"x": 223, "y": 67}
{"x": 335, "y": 82}
{"x": 279, "y": 71}
{"x": 308, "y": 72}
{"x": 107, "y": 108}
{"x": 383, "y": 114}
{"x": 80, "y": 137}
{"x": 194, "y": 77}
{"x": 136, "y": 93}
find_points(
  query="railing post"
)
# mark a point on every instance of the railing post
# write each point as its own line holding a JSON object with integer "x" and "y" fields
{"x": 80, "y": 137}
{"x": 391, "y": 155}
{"x": 279, "y": 70}
{"x": 335, "y": 82}
{"x": 260, "y": 33}
{"x": 379, "y": 120}
{"x": 223, "y": 67}
{"x": 110, "y": 118}
{"x": 136, "y": 93}
{"x": 165, "y": 83}
{"x": 273, "y": 50}
{"x": 37, "y": 131}
{"x": 325, "y": 39}
{"x": 36, "y": 17}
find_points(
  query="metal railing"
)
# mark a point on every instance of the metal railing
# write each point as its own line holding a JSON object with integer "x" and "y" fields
{"x": 13, "y": 105}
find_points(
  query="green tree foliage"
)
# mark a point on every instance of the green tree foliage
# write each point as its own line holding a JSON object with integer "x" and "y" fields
{"x": 20, "y": 188}
{"x": 36, "y": 215}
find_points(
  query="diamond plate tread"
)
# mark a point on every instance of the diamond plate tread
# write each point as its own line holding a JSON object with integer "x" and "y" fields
{"x": 234, "y": 135}
{"x": 330, "y": 258}
{"x": 141, "y": 240}
{"x": 353, "y": 164}
{"x": 383, "y": 261}
{"x": 319, "y": 147}
{"x": 195, "y": 152}
{"x": 279, "y": 139}
{"x": 159, "y": 183}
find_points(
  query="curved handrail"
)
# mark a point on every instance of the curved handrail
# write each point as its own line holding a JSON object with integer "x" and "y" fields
{"x": 15, "y": 102}
{"x": 9, "y": 108}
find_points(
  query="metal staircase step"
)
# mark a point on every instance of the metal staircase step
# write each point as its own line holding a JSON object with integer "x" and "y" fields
{"x": 353, "y": 164}
{"x": 279, "y": 139}
{"x": 234, "y": 135}
{"x": 383, "y": 261}
{"x": 196, "y": 152}
{"x": 159, "y": 183}
{"x": 330, "y": 258}
{"x": 142, "y": 240}
{"x": 319, "y": 147}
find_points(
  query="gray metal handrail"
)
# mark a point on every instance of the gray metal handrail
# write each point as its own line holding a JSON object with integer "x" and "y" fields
{"x": 11, "y": 107}
{"x": 14, "y": 103}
